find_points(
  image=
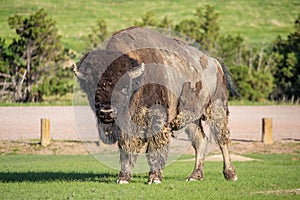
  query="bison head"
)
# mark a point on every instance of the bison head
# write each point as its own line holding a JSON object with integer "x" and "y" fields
{"x": 109, "y": 79}
{"x": 115, "y": 87}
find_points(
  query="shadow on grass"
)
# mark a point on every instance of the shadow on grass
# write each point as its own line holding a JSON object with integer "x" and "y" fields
{"x": 54, "y": 176}
{"x": 17, "y": 177}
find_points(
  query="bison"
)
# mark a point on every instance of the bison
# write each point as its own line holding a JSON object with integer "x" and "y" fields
{"x": 143, "y": 86}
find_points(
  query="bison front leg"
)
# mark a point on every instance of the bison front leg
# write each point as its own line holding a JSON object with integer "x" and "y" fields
{"x": 157, "y": 154}
{"x": 127, "y": 160}
{"x": 129, "y": 149}
{"x": 199, "y": 142}
{"x": 157, "y": 159}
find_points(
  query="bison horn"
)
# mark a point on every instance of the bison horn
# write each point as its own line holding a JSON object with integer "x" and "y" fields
{"x": 76, "y": 71}
{"x": 137, "y": 72}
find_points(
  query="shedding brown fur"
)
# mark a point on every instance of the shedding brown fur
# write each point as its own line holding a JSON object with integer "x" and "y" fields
{"x": 197, "y": 94}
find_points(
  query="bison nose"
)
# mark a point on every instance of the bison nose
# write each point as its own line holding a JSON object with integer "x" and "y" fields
{"x": 107, "y": 115}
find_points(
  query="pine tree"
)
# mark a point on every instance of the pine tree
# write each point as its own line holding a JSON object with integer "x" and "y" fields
{"x": 99, "y": 33}
{"x": 31, "y": 55}
{"x": 286, "y": 53}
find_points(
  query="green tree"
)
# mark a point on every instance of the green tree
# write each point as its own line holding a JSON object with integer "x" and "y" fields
{"x": 253, "y": 85}
{"x": 286, "y": 54}
{"x": 147, "y": 20}
{"x": 208, "y": 20}
{"x": 231, "y": 49}
{"x": 190, "y": 28}
{"x": 99, "y": 33}
{"x": 166, "y": 23}
{"x": 251, "y": 67}
{"x": 33, "y": 54}
{"x": 204, "y": 29}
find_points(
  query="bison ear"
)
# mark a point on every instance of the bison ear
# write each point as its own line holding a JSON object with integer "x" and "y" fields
{"x": 77, "y": 73}
{"x": 137, "y": 72}
{"x": 136, "y": 77}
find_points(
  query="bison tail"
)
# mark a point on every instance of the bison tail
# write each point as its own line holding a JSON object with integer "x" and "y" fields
{"x": 231, "y": 86}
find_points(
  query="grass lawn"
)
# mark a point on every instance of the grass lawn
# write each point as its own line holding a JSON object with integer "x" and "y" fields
{"x": 82, "y": 177}
{"x": 258, "y": 21}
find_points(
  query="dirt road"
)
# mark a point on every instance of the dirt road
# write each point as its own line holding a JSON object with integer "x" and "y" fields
{"x": 74, "y": 123}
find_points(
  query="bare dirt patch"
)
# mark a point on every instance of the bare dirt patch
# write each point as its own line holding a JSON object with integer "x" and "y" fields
{"x": 219, "y": 157}
{"x": 279, "y": 147}
{"x": 242, "y": 148}
{"x": 79, "y": 148}
{"x": 32, "y": 147}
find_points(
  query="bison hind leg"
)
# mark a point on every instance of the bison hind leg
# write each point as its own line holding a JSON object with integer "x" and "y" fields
{"x": 218, "y": 121}
{"x": 199, "y": 141}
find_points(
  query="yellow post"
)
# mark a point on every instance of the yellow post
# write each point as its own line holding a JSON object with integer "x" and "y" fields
{"x": 267, "y": 135}
{"x": 45, "y": 132}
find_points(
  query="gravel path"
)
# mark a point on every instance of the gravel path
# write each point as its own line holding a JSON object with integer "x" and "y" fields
{"x": 246, "y": 122}
{"x": 23, "y": 123}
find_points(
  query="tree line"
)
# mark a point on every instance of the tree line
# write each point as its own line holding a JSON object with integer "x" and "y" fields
{"x": 31, "y": 66}
{"x": 35, "y": 64}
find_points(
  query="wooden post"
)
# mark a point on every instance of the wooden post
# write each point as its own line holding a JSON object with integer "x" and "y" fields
{"x": 267, "y": 136}
{"x": 45, "y": 132}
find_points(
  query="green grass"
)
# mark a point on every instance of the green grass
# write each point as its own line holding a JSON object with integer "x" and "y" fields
{"x": 82, "y": 177}
{"x": 57, "y": 102}
{"x": 259, "y": 21}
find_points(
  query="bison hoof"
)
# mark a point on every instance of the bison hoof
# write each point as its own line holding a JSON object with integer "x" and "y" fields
{"x": 124, "y": 178}
{"x": 194, "y": 179}
{"x": 230, "y": 175}
{"x": 155, "y": 178}
{"x": 156, "y": 181}
{"x": 122, "y": 181}
{"x": 196, "y": 176}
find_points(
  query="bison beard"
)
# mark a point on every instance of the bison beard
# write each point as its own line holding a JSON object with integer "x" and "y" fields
{"x": 187, "y": 88}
